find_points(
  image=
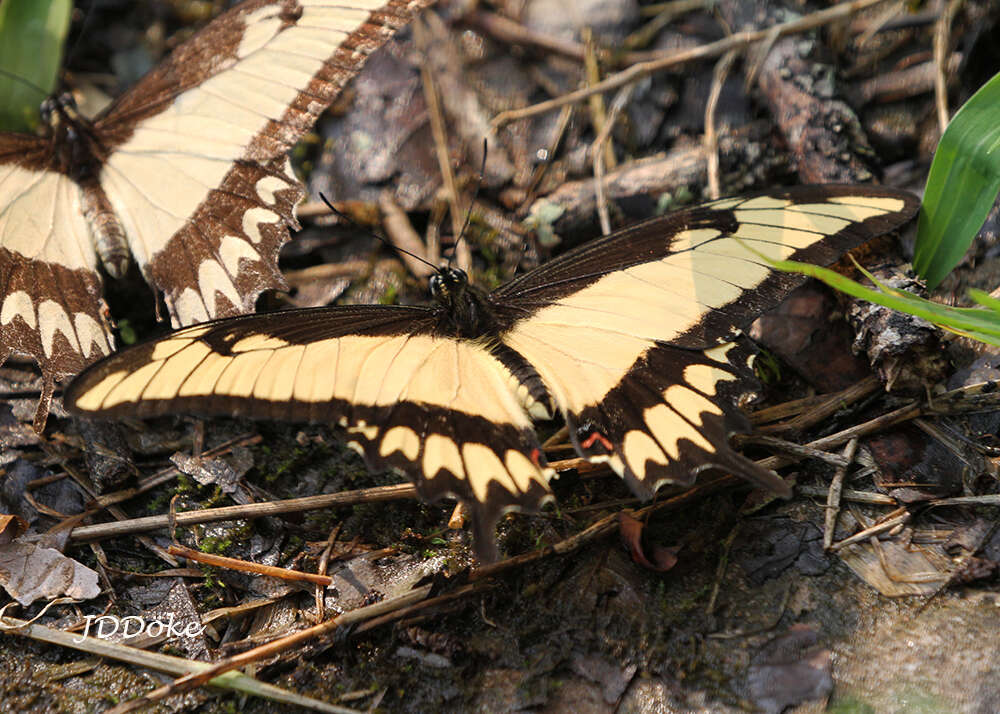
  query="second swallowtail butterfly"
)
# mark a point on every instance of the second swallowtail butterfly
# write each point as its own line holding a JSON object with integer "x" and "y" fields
{"x": 187, "y": 173}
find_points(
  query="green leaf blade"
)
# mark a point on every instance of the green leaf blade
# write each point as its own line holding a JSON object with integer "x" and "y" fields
{"x": 963, "y": 185}
{"x": 976, "y": 323}
{"x": 32, "y": 34}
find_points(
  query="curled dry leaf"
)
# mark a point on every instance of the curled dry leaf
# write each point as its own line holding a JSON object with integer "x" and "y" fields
{"x": 661, "y": 558}
{"x": 11, "y": 527}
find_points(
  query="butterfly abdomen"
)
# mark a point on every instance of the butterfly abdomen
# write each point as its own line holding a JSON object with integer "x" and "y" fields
{"x": 526, "y": 383}
{"x": 105, "y": 229}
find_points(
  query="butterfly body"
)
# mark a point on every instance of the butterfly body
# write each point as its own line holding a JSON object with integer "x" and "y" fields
{"x": 633, "y": 339}
{"x": 75, "y": 150}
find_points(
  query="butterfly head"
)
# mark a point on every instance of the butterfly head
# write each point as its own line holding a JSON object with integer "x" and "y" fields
{"x": 462, "y": 309}
{"x": 448, "y": 283}
{"x": 59, "y": 109}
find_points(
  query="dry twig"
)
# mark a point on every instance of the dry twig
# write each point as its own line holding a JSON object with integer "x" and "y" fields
{"x": 812, "y": 410}
{"x": 252, "y": 510}
{"x": 869, "y": 497}
{"x": 401, "y": 234}
{"x": 600, "y": 149}
{"x": 711, "y": 138}
{"x": 897, "y": 518}
{"x": 463, "y": 256}
{"x": 662, "y": 15}
{"x": 674, "y": 59}
{"x": 833, "y": 497}
{"x": 247, "y": 566}
{"x": 942, "y": 34}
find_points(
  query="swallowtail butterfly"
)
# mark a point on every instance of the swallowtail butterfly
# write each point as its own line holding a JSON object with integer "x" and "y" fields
{"x": 187, "y": 172}
{"x": 633, "y": 339}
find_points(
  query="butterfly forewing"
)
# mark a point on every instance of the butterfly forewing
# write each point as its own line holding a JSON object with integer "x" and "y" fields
{"x": 697, "y": 285}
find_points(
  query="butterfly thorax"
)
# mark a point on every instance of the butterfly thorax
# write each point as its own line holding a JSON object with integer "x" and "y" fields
{"x": 463, "y": 310}
{"x": 76, "y": 151}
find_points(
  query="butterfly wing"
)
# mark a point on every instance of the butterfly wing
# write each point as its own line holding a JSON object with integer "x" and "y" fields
{"x": 441, "y": 410}
{"x": 197, "y": 167}
{"x": 636, "y": 337}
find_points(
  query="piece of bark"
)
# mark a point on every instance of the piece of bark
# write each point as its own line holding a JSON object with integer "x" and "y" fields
{"x": 823, "y": 133}
{"x": 904, "y": 350}
{"x": 109, "y": 459}
{"x": 905, "y": 83}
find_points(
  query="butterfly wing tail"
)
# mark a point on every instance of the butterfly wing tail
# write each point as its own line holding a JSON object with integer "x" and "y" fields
{"x": 446, "y": 455}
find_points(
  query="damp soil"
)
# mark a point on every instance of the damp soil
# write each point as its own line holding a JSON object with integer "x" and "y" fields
{"x": 589, "y": 631}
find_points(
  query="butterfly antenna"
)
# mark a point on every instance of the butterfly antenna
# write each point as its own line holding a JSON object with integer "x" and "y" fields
{"x": 26, "y": 82}
{"x": 475, "y": 196}
{"x": 361, "y": 228}
{"x": 69, "y": 50}
{"x": 520, "y": 258}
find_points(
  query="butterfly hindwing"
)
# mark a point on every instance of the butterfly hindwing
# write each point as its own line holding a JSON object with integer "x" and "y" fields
{"x": 671, "y": 418}
{"x": 491, "y": 466}
{"x": 50, "y": 293}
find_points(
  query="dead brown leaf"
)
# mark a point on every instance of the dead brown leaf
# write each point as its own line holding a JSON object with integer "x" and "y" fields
{"x": 30, "y": 572}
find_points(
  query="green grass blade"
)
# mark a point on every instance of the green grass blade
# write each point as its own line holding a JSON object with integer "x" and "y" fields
{"x": 976, "y": 323}
{"x": 32, "y": 33}
{"x": 962, "y": 186}
{"x": 985, "y": 299}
